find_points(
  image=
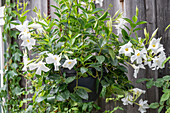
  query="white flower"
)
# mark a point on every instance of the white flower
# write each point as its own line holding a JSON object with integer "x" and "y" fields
{"x": 40, "y": 67}
{"x": 28, "y": 43}
{"x": 138, "y": 56}
{"x": 143, "y": 106}
{"x": 126, "y": 49}
{"x": 99, "y": 2}
{"x": 155, "y": 45}
{"x": 37, "y": 26}
{"x": 25, "y": 60}
{"x": 127, "y": 100}
{"x": 69, "y": 64}
{"x": 136, "y": 69}
{"x": 24, "y": 31}
{"x": 138, "y": 91}
{"x": 54, "y": 59}
{"x": 158, "y": 60}
{"x": 120, "y": 25}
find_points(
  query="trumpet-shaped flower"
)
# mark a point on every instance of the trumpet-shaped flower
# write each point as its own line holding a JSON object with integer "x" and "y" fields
{"x": 138, "y": 56}
{"x": 99, "y": 2}
{"x": 40, "y": 67}
{"x": 143, "y": 106}
{"x": 127, "y": 100}
{"x": 54, "y": 59}
{"x": 138, "y": 91}
{"x": 69, "y": 63}
{"x": 28, "y": 43}
{"x": 25, "y": 60}
{"x": 37, "y": 26}
{"x": 158, "y": 60}
{"x": 24, "y": 31}
{"x": 126, "y": 49}
{"x": 120, "y": 25}
{"x": 136, "y": 69}
{"x": 155, "y": 45}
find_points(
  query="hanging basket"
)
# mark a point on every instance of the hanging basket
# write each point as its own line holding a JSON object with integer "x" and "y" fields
{"x": 87, "y": 82}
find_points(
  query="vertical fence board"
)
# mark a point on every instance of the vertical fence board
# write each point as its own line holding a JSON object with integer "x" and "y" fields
{"x": 52, "y": 9}
{"x": 116, "y": 5}
{"x": 152, "y": 95}
{"x": 130, "y": 10}
{"x": 163, "y": 19}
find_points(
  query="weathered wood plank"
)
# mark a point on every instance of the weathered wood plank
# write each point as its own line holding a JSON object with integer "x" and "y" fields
{"x": 163, "y": 19}
{"x": 146, "y": 12}
{"x": 40, "y": 4}
{"x": 52, "y": 9}
{"x": 116, "y": 5}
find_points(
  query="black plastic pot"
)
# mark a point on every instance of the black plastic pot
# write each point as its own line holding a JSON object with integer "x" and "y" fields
{"x": 88, "y": 82}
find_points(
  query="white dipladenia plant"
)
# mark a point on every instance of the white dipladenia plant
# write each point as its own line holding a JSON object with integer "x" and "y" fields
{"x": 140, "y": 55}
{"x": 28, "y": 41}
{"x": 131, "y": 98}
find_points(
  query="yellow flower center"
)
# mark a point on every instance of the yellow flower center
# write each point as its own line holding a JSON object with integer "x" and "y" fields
{"x": 153, "y": 45}
{"x": 29, "y": 74}
{"x": 28, "y": 40}
{"x": 39, "y": 64}
{"x": 138, "y": 54}
{"x": 55, "y": 58}
{"x": 25, "y": 30}
{"x": 157, "y": 60}
{"x": 126, "y": 49}
{"x": 69, "y": 62}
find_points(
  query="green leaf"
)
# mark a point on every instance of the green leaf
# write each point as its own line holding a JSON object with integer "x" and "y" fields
{"x": 168, "y": 110}
{"x": 166, "y": 78}
{"x": 100, "y": 59}
{"x": 74, "y": 38}
{"x": 160, "y": 109}
{"x": 70, "y": 79}
{"x": 75, "y": 97}
{"x": 159, "y": 82}
{"x": 82, "y": 93}
{"x": 142, "y": 80}
{"x": 154, "y": 105}
{"x": 60, "y": 98}
{"x": 87, "y": 57}
{"x": 22, "y": 19}
{"x": 135, "y": 18}
{"x": 125, "y": 35}
{"x": 137, "y": 29}
{"x": 51, "y": 99}
{"x": 165, "y": 97}
{"x": 16, "y": 90}
{"x": 12, "y": 74}
{"x": 167, "y": 27}
{"x": 128, "y": 20}
{"x": 97, "y": 10}
{"x": 83, "y": 70}
{"x": 59, "y": 15}
{"x": 17, "y": 56}
{"x": 149, "y": 84}
{"x": 112, "y": 54}
{"x": 40, "y": 99}
{"x": 141, "y": 22}
{"x": 86, "y": 89}
{"x": 103, "y": 16}
{"x": 85, "y": 105}
{"x": 166, "y": 60}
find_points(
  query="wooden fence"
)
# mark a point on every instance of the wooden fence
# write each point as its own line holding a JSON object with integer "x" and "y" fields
{"x": 155, "y": 12}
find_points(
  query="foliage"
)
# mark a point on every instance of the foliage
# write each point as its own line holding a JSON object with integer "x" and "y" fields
{"x": 79, "y": 43}
{"x": 12, "y": 90}
{"x": 163, "y": 83}
{"x": 81, "y": 38}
